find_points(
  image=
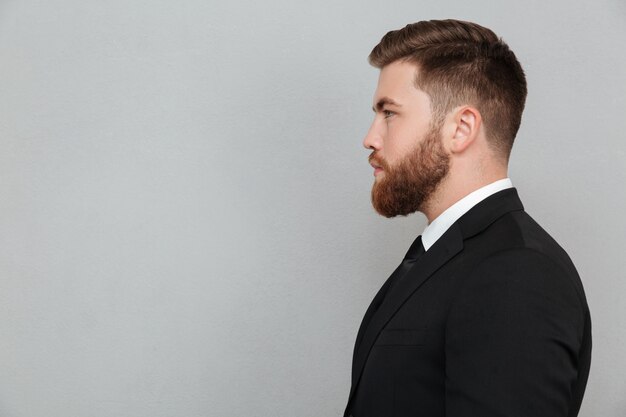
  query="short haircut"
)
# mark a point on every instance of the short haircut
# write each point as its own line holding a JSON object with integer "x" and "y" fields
{"x": 462, "y": 63}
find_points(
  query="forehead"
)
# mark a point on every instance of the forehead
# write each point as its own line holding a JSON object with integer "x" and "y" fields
{"x": 396, "y": 82}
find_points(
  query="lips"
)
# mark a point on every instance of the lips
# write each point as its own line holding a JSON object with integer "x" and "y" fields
{"x": 377, "y": 168}
{"x": 375, "y": 164}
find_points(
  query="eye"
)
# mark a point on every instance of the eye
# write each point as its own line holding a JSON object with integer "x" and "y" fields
{"x": 388, "y": 113}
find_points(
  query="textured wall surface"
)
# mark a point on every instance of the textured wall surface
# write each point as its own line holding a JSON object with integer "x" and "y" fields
{"x": 185, "y": 225}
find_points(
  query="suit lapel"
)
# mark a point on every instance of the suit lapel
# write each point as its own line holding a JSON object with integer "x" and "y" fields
{"x": 446, "y": 247}
{"x": 373, "y": 307}
{"x": 449, "y": 245}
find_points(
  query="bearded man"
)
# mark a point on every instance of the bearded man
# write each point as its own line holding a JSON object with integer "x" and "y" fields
{"x": 486, "y": 315}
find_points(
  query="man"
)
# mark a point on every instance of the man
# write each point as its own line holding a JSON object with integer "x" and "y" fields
{"x": 486, "y": 316}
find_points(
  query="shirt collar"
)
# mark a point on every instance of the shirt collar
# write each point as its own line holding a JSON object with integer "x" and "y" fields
{"x": 443, "y": 222}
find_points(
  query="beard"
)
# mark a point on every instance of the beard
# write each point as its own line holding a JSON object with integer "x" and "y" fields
{"x": 407, "y": 185}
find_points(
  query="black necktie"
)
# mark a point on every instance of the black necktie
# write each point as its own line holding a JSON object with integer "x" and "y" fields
{"x": 412, "y": 255}
{"x": 415, "y": 251}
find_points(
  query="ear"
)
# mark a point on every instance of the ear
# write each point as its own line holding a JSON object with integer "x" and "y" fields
{"x": 466, "y": 123}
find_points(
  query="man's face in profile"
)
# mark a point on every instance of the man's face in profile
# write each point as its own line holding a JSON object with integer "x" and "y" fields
{"x": 408, "y": 157}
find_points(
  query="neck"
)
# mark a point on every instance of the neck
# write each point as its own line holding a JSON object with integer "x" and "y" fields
{"x": 454, "y": 188}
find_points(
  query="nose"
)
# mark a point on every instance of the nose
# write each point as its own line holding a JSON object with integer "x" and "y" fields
{"x": 373, "y": 140}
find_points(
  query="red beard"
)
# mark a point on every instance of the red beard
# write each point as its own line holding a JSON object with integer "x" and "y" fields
{"x": 406, "y": 186}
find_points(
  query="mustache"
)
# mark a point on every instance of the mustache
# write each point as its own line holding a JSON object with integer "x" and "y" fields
{"x": 375, "y": 159}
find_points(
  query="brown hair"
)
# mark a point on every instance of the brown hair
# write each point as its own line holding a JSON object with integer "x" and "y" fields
{"x": 462, "y": 63}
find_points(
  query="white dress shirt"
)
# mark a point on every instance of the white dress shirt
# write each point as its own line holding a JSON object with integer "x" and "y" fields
{"x": 439, "y": 226}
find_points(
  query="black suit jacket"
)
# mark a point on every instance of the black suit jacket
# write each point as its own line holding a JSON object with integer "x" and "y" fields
{"x": 491, "y": 321}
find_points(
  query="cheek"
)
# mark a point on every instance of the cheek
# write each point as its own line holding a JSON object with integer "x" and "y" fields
{"x": 393, "y": 153}
{"x": 399, "y": 146}
{"x": 405, "y": 135}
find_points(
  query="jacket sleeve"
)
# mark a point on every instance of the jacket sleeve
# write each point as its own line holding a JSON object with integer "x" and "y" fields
{"x": 513, "y": 335}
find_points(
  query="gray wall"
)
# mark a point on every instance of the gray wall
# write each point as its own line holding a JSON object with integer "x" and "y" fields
{"x": 185, "y": 226}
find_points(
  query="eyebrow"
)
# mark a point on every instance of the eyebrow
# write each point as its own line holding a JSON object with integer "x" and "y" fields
{"x": 383, "y": 101}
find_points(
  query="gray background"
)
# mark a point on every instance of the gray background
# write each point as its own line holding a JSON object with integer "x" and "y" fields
{"x": 185, "y": 225}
